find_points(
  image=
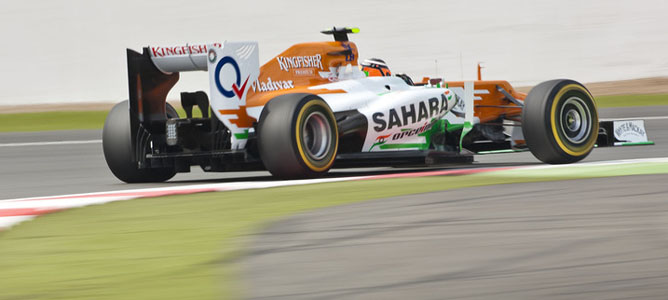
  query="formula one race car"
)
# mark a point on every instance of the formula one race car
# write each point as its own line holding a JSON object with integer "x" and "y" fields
{"x": 312, "y": 107}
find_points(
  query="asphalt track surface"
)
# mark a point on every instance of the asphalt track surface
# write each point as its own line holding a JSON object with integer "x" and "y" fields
{"x": 31, "y": 170}
{"x": 602, "y": 238}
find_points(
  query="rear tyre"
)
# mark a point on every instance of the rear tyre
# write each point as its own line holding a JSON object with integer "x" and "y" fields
{"x": 559, "y": 121}
{"x": 297, "y": 136}
{"x": 118, "y": 149}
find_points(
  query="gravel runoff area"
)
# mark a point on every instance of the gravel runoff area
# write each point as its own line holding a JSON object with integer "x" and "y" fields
{"x": 655, "y": 85}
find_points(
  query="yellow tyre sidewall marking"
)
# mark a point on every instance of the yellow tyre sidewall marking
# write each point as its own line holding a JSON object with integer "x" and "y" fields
{"x": 580, "y": 150}
{"x": 298, "y": 126}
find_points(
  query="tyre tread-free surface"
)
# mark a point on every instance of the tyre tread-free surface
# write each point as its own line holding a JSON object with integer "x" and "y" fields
{"x": 543, "y": 138}
{"x": 118, "y": 150}
{"x": 279, "y": 137}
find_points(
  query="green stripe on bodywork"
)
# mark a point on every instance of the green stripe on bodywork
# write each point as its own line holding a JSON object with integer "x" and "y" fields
{"x": 242, "y": 136}
{"x": 465, "y": 130}
{"x": 403, "y": 146}
{"x": 437, "y": 126}
{"x": 636, "y": 143}
{"x": 454, "y": 127}
{"x": 648, "y": 143}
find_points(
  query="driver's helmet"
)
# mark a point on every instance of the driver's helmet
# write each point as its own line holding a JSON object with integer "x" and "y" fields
{"x": 375, "y": 67}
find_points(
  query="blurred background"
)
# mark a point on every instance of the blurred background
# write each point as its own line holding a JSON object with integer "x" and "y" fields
{"x": 74, "y": 50}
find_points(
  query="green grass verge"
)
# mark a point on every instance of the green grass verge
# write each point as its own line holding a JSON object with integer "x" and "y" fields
{"x": 632, "y": 100}
{"x": 187, "y": 247}
{"x": 65, "y": 120}
{"x": 60, "y": 120}
{"x": 55, "y": 120}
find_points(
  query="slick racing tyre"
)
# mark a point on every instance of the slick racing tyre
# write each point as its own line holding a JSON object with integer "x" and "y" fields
{"x": 118, "y": 149}
{"x": 297, "y": 136}
{"x": 559, "y": 121}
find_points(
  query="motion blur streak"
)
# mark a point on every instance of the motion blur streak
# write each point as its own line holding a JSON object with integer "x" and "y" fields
{"x": 50, "y": 143}
{"x": 14, "y": 211}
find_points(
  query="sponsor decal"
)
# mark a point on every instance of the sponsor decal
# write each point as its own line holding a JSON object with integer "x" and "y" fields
{"x": 380, "y": 140}
{"x": 405, "y": 132}
{"x": 304, "y": 72}
{"x": 411, "y": 132}
{"x": 351, "y": 56}
{"x": 410, "y": 114}
{"x": 270, "y": 85}
{"x": 298, "y": 62}
{"x": 630, "y": 131}
{"x": 331, "y": 75}
{"x": 237, "y": 88}
{"x": 180, "y": 50}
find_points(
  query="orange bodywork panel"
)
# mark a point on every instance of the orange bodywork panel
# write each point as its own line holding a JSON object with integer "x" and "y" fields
{"x": 300, "y": 67}
{"x": 492, "y": 105}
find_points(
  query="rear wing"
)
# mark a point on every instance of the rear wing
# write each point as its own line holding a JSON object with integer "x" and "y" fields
{"x": 232, "y": 68}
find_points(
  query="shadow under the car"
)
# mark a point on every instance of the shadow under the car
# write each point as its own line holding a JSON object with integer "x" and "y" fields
{"x": 336, "y": 173}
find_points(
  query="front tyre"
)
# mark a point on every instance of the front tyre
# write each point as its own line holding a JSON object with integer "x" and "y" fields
{"x": 118, "y": 148}
{"x": 297, "y": 136}
{"x": 559, "y": 121}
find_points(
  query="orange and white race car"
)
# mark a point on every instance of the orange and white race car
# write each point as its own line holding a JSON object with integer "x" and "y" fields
{"x": 314, "y": 107}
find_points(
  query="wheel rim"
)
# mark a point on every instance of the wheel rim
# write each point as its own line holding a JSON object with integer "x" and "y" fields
{"x": 576, "y": 120}
{"x": 317, "y": 135}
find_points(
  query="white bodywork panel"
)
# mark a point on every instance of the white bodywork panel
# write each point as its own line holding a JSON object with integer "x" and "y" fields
{"x": 399, "y": 116}
{"x": 232, "y": 70}
{"x": 463, "y": 108}
{"x": 189, "y": 57}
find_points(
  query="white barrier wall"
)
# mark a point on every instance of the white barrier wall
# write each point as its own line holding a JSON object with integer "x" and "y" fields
{"x": 74, "y": 50}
